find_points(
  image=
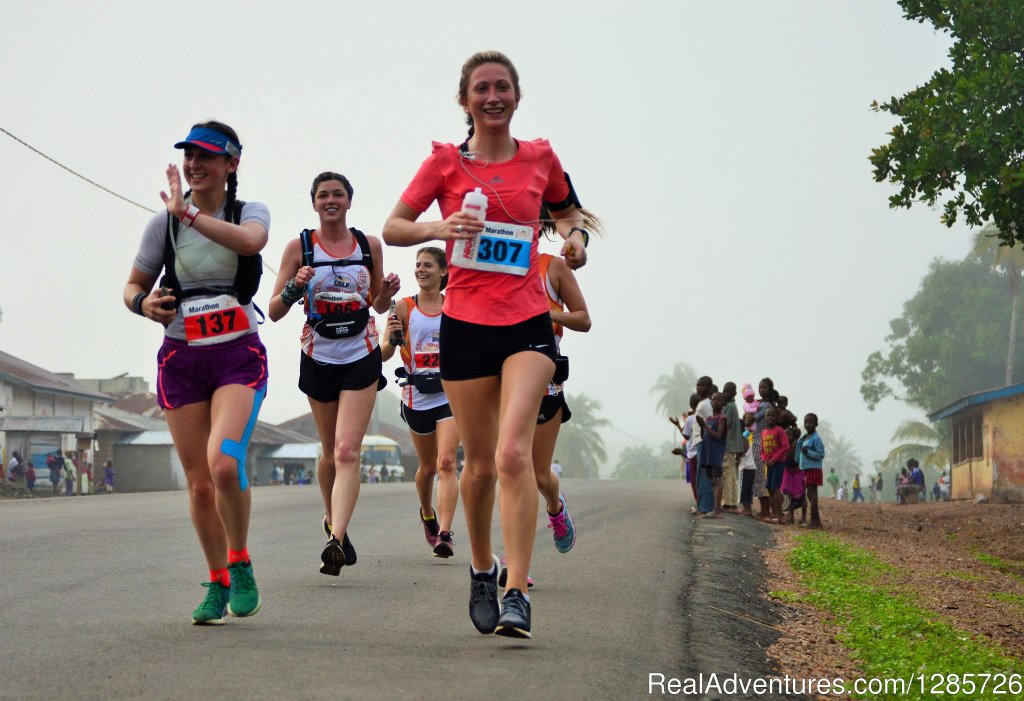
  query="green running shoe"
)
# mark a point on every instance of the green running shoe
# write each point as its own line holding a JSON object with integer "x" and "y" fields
{"x": 211, "y": 611}
{"x": 245, "y": 598}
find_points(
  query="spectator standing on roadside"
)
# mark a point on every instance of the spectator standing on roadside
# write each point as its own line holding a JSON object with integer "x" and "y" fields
{"x": 108, "y": 476}
{"x": 705, "y": 489}
{"x": 917, "y": 477}
{"x": 841, "y": 494}
{"x": 30, "y": 476}
{"x": 734, "y": 447}
{"x": 833, "y": 482}
{"x": 747, "y": 466}
{"x": 810, "y": 452}
{"x": 15, "y": 467}
{"x": 774, "y": 449}
{"x": 878, "y": 487}
{"x": 714, "y": 430}
{"x": 69, "y": 475}
{"x": 688, "y": 449}
{"x": 858, "y": 493}
{"x": 56, "y": 463}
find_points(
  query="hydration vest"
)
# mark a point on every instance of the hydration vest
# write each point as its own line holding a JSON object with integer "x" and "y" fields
{"x": 247, "y": 275}
{"x": 336, "y": 324}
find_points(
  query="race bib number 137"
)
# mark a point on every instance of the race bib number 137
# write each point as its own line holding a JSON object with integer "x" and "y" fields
{"x": 210, "y": 320}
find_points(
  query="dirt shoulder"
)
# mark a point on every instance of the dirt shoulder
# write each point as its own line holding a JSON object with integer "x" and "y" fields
{"x": 962, "y": 561}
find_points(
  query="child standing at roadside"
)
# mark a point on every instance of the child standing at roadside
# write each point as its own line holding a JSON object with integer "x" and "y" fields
{"x": 810, "y": 452}
{"x": 774, "y": 448}
{"x": 689, "y": 448}
{"x": 747, "y": 468}
{"x": 793, "y": 480}
{"x": 714, "y": 429}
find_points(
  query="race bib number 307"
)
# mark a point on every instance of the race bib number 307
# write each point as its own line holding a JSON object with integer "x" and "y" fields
{"x": 211, "y": 320}
{"x": 499, "y": 248}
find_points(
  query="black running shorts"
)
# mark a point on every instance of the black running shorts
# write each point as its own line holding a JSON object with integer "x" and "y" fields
{"x": 325, "y": 381}
{"x": 469, "y": 351}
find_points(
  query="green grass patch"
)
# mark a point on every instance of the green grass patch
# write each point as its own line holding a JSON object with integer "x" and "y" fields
{"x": 1008, "y": 598}
{"x": 992, "y": 561}
{"x": 965, "y": 575}
{"x": 1007, "y": 567}
{"x": 786, "y": 596}
{"x": 887, "y": 632}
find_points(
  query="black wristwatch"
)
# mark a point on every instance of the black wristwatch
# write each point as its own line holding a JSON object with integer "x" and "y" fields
{"x": 586, "y": 234}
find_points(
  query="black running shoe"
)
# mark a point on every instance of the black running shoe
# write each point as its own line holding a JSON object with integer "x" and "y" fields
{"x": 430, "y": 527}
{"x": 444, "y": 547}
{"x": 332, "y": 557}
{"x": 349, "y": 550}
{"x": 503, "y": 575}
{"x": 483, "y": 599}
{"x": 514, "y": 621}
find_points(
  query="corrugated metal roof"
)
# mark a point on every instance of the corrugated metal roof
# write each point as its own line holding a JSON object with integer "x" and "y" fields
{"x": 43, "y": 424}
{"x": 970, "y": 400}
{"x": 269, "y": 434}
{"x": 110, "y": 418}
{"x": 21, "y": 372}
{"x": 147, "y": 438}
{"x": 295, "y": 451}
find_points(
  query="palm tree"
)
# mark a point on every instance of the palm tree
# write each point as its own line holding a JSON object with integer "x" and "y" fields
{"x": 580, "y": 447}
{"x": 925, "y": 442}
{"x": 841, "y": 454}
{"x": 642, "y": 462}
{"x": 674, "y": 390}
{"x": 1009, "y": 259}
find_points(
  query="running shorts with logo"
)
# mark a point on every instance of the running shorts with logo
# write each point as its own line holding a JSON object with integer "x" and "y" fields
{"x": 424, "y": 422}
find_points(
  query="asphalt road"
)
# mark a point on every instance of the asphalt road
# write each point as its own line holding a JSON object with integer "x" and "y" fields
{"x": 96, "y": 595}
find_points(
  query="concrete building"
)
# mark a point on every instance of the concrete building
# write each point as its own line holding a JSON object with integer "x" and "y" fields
{"x": 988, "y": 444}
{"x": 43, "y": 411}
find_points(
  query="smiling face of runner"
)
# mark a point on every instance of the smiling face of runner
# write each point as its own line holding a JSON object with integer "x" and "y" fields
{"x": 431, "y": 269}
{"x": 331, "y": 201}
{"x": 489, "y": 90}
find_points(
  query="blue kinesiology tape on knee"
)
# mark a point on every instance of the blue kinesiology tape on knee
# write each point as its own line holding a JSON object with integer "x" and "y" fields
{"x": 237, "y": 449}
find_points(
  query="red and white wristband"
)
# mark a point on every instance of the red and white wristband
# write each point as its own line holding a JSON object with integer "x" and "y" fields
{"x": 189, "y": 215}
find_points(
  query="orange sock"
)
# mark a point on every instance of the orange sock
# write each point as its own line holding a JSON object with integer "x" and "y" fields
{"x": 221, "y": 576}
{"x": 238, "y": 556}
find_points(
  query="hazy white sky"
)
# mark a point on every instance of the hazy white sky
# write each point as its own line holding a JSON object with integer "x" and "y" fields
{"x": 724, "y": 144}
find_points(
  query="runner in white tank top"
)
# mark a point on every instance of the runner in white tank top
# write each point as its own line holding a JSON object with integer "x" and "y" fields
{"x": 424, "y": 404}
{"x": 340, "y": 363}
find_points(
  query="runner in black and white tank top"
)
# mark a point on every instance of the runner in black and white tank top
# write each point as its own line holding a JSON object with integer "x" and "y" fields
{"x": 339, "y": 273}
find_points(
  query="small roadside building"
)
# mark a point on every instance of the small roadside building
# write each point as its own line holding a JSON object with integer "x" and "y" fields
{"x": 147, "y": 461}
{"x": 988, "y": 444}
{"x": 43, "y": 411}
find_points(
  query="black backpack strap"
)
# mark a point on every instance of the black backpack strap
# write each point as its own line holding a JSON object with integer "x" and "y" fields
{"x": 306, "y": 240}
{"x": 364, "y": 248}
{"x": 170, "y": 278}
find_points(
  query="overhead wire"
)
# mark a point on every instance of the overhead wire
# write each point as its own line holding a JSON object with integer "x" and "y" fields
{"x": 76, "y": 173}
{"x": 92, "y": 182}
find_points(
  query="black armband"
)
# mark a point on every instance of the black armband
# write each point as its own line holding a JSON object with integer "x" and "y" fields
{"x": 570, "y": 200}
{"x": 137, "y": 303}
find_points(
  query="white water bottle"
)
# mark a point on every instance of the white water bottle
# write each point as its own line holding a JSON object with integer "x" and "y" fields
{"x": 475, "y": 205}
